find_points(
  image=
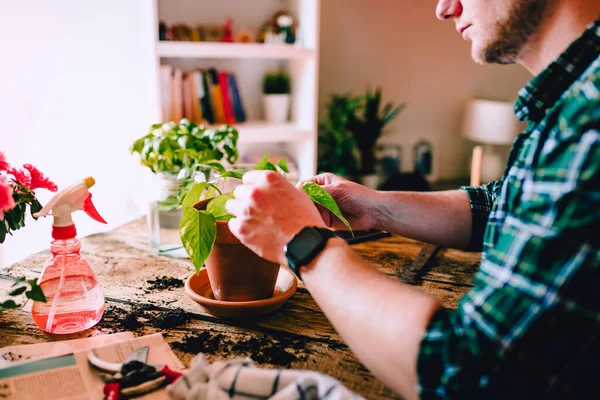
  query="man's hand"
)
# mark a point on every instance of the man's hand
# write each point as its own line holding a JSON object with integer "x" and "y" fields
{"x": 268, "y": 212}
{"x": 356, "y": 202}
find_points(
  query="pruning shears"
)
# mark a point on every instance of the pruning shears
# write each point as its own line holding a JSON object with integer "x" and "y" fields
{"x": 133, "y": 377}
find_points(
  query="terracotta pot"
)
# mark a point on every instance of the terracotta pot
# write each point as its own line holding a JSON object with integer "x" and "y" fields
{"x": 235, "y": 272}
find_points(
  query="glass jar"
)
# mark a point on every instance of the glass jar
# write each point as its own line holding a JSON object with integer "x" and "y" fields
{"x": 164, "y": 215}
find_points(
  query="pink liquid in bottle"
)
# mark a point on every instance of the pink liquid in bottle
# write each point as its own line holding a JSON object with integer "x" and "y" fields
{"x": 74, "y": 298}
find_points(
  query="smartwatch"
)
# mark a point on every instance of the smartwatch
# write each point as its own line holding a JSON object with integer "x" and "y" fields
{"x": 305, "y": 246}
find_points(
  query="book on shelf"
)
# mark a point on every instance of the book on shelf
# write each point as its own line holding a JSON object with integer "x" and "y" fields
{"x": 202, "y": 96}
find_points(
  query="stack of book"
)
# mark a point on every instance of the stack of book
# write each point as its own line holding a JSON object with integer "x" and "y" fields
{"x": 202, "y": 96}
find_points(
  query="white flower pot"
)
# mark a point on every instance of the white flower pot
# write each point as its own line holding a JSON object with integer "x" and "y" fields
{"x": 277, "y": 107}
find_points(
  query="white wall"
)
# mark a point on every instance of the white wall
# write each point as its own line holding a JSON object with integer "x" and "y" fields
{"x": 417, "y": 59}
{"x": 74, "y": 94}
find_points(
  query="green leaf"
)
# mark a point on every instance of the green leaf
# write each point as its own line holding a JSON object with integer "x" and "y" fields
{"x": 282, "y": 163}
{"x": 17, "y": 291}
{"x": 217, "y": 207}
{"x": 8, "y": 305}
{"x": 320, "y": 196}
{"x": 34, "y": 207}
{"x": 198, "y": 230}
{"x": 265, "y": 165}
{"x": 35, "y": 293}
{"x": 194, "y": 194}
{"x": 21, "y": 279}
{"x": 234, "y": 173}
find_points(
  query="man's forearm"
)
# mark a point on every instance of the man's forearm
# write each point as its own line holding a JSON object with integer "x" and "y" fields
{"x": 381, "y": 319}
{"x": 442, "y": 218}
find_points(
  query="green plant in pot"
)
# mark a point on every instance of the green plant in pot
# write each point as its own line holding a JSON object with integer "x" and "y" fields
{"x": 337, "y": 146}
{"x": 180, "y": 155}
{"x": 234, "y": 271}
{"x": 367, "y": 124}
{"x": 276, "y": 96}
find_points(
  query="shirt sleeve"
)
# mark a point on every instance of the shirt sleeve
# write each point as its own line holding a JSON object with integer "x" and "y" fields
{"x": 539, "y": 277}
{"x": 482, "y": 199}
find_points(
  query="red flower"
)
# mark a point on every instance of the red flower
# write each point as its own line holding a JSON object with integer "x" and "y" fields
{"x": 21, "y": 176}
{"x": 3, "y": 164}
{"x": 38, "y": 180}
{"x": 6, "y": 200}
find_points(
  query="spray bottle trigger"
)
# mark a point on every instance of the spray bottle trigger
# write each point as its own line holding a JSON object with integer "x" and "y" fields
{"x": 90, "y": 209}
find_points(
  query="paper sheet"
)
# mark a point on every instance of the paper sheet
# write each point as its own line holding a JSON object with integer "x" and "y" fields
{"x": 69, "y": 376}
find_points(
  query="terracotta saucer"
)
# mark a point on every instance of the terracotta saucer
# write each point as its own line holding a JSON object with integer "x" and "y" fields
{"x": 198, "y": 288}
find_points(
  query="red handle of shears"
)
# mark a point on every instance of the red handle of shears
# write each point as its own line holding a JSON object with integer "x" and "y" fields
{"x": 171, "y": 375}
{"x": 111, "y": 391}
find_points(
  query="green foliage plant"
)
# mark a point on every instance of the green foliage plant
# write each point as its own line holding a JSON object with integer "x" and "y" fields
{"x": 277, "y": 82}
{"x": 337, "y": 145}
{"x": 198, "y": 228}
{"x": 368, "y": 127}
{"x": 187, "y": 152}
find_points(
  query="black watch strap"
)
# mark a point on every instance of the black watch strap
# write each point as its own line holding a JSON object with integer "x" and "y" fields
{"x": 305, "y": 246}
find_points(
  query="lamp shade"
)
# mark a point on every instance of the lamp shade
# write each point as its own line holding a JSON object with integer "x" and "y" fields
{"x": 491, "y": 122}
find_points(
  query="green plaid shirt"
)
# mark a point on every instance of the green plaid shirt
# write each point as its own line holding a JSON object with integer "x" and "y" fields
{"x": 529, "y": 327}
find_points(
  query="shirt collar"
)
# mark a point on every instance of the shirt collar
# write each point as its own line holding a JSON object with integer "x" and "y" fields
{"x": 543, "y": 91}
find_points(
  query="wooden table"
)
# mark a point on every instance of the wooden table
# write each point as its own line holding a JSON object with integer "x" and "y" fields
{"x": 297, "y": 336}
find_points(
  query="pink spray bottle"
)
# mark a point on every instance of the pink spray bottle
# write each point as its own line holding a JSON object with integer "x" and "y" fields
{"x": 74, "y": 298}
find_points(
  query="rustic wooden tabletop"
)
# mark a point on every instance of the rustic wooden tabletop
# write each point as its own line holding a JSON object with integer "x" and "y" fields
{"x": 144, "y": 294}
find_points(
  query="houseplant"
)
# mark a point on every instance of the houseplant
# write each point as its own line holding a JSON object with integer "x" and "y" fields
{"x": 367, "y": 124}
{"x": 276, "y": 96}
{"x": 179, "y": 155}
{"x": 203, "y": 229}
{"x": 17, "y": 193}
{"x": 337, "y": 146}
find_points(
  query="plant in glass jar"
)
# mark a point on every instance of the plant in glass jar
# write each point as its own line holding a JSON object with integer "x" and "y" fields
{"x": 179, "y": 155}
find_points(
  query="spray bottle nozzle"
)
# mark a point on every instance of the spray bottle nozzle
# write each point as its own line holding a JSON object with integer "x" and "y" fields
{"x": 70, "y": 199}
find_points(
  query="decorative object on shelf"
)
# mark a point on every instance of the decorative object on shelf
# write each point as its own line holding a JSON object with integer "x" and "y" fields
{"x": 367, "y": 129}
{"x": 423, "y": 158}
{"x": 213, "y": 33}
{"x": 227, "y": 31}
{"x": 179, "y": 155}
{"x": 337, "y": 147}
{"x": 244, "y": 36}
{"x": 493, "y": 124}
{"x": 181, "y": 32}
{"x": 276, "y": 96}
{"x": 162, "y": 31}
{"x": 285, "y": 23}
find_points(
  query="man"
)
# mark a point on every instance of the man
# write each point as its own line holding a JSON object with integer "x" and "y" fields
{"x": 529, "y": 327}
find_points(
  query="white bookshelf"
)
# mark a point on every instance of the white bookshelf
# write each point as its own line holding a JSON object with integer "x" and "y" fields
{"x": 249, "y": 61}
{"x": 231, "y": 50}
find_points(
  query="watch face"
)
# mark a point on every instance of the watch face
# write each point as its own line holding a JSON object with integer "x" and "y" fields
{"x": 304, "y": 244}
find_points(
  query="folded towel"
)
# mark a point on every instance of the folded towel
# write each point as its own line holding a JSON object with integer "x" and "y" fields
{"x": 241, "y": 379}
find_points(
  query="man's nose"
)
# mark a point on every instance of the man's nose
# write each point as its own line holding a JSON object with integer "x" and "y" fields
{"x": 447, "y": 9}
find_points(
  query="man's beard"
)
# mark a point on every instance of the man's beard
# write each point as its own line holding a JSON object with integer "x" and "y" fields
{"x": 514, "y": 33}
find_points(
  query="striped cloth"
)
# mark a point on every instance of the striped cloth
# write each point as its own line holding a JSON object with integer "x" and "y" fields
{"x": 241, "y": 379}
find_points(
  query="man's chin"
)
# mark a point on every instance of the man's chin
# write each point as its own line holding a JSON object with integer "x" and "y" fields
{"x": 478, "y": 54}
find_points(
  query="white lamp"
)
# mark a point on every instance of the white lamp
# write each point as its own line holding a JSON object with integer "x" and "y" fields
{"x": 491, "y": 123}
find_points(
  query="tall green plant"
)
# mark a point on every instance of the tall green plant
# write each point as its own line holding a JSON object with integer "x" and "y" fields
{"x": 337, "y": 145}
{"x": 368, "y": 127}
